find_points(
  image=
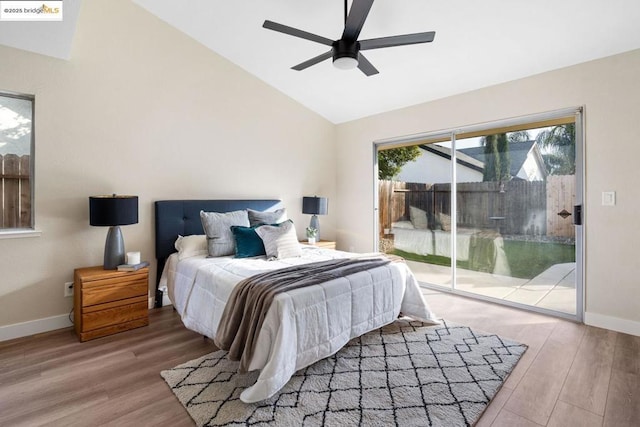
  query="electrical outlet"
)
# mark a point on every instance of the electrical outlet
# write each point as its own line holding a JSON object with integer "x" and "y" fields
{"x": 68, "y": 289}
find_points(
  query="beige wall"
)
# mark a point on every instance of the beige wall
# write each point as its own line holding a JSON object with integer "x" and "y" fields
{"x": 610, "y": 91}
{"x": 142, "y": 109}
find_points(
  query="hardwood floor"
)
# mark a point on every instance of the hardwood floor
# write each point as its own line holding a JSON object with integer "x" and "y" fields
{"x": 571, "y": 375}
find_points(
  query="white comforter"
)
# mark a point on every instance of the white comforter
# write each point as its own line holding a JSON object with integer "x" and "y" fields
{"x": 302, "y": 326}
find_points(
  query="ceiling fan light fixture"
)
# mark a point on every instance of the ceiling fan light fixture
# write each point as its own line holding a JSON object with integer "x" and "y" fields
{"x": 345, "y": 54}
{"x": 345, "y": 63}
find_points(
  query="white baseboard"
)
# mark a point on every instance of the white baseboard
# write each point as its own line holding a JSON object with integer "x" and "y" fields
{"x": 32, "y": 327}
{"x": 19, "y": 330}
{"x": 165, "y": 296}
{"x": 166, "y": 300}
{"x": 613, "y": 323}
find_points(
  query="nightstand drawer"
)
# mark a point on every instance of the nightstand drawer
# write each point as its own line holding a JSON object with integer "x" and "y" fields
{"x": 118, "y": 278}
{"x": 115, "y": 315}
{"x": 114, "y": 292}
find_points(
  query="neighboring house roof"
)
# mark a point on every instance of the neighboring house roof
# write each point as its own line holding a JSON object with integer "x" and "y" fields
{"x": 463, "y": 158}
{"x": 518, "y": 153}
{"x": 474, "y": 158}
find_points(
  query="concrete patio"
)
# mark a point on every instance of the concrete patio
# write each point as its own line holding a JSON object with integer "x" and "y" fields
{"x": 552, "y": 289}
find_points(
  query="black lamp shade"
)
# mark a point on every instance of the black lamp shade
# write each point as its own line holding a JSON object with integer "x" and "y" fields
{"x": 113, "y": 210}
{"x": 315, "y": 205}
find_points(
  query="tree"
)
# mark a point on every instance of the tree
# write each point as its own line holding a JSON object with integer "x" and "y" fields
{"x": 505, "y": 158}
{"x": 558, "y": 147}
{"x": 390, "y": 162}
{"x": 491, "y": 158}
{"x": 497, "y": 165}
{"x": 518, "y": 136}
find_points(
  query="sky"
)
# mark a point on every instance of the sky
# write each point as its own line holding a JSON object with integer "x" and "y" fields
{"x": 15, "y": 126}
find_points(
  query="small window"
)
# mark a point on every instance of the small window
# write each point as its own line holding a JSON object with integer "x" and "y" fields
{"x": 16, "y": 162}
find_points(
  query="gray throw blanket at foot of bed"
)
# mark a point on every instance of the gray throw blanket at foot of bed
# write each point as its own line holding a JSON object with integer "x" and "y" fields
{"x": 250, "y": 300}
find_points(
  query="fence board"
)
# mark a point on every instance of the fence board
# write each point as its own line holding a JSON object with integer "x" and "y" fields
{"x": 11, "y": 191}
{"x": 384, "y": 204}
{"x": 398, "y": 202}
{"x": 25, "y": 192}
{"x": 15, "y": 191}
{"x": 561, "y": 195}
{"x": 391, "y": 206}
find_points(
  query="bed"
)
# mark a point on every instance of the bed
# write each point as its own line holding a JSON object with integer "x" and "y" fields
{"x": 301, "y": 326}
{"x": 482, "y": 250}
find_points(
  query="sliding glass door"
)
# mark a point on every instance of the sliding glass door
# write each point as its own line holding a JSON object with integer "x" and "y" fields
{"x": 490, "y": 211}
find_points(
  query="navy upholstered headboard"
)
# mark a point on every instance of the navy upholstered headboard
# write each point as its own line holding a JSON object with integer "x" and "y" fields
{"x": 182, "y": 217}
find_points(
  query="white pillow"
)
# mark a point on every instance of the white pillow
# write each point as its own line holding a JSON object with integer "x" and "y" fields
{"x": 189, "y": 246}
{"x": 445, "y": 221}
{"x": 217, "y": 227}
{"x": 280, "y": 241}
{"x": 418, "y": 217}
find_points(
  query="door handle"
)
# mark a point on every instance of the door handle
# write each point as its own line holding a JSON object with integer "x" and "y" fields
{"x": 577, "y": 215}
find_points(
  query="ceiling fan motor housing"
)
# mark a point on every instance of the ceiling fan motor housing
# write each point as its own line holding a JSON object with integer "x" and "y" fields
{"x": 345, "y": 49}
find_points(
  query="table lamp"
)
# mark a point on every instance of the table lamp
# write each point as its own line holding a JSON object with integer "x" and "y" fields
{"x": 113, "y": 211}
{"x": 315, "y": 206}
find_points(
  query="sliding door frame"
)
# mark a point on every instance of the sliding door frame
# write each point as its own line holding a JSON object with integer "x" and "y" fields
{"x": 516, "y": 123}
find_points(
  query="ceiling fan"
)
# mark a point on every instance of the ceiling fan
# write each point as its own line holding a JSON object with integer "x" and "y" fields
{"x": 346, "y": 50}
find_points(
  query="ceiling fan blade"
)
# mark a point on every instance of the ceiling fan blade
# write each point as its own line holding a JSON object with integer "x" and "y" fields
{"x": 355, "y": 20}
{"x": 366, "y": 66}
{"x": 397, "y": 40}
{"x": 270, "y": 25}
{"x": 313, "y": 61}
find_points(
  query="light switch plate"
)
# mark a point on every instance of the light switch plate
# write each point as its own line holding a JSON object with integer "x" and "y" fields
{"x": 608, "y": 198}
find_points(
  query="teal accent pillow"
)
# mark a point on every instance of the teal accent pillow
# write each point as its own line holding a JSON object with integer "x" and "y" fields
{"x": 248, "y": 243}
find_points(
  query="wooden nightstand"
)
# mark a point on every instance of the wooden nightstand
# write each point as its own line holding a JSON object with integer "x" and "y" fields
{"x": 109, "y": 301}
{"x": 325, "y": 244}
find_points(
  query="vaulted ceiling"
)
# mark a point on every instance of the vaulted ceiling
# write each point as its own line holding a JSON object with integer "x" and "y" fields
{"x": 477, "y": 44}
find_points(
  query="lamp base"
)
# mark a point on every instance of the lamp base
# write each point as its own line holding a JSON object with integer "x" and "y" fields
{"x": 315, "y": 223}
{"x": 113, "y": 249}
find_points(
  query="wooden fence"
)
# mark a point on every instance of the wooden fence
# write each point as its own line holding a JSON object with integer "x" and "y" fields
{"x": 514, "y": 207}
{"x": 561, "y": 195}
{"x": 15, "y": 191}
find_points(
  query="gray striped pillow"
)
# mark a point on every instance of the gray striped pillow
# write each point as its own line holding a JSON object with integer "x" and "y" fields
{"x": 280, "y": 241}
{"x": 275, "y": 217}
{"x": 217, "y": 227}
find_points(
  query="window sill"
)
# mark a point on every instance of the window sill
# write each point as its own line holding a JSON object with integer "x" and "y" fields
{"x": 19, "y": 234}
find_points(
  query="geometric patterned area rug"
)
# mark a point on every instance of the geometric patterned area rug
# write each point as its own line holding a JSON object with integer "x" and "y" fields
{"x": 404, "y": 374}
